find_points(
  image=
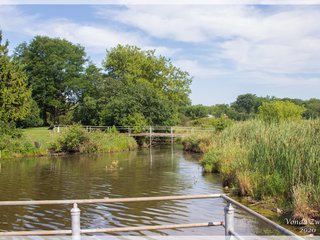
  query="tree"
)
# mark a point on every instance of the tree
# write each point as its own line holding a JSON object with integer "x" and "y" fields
{"x": 55, "y": 74}
{"x": 121, "y": 100}
{"x": 33, "y": 118}
{"x": 247, "y": 103}
{"x": 88, "y": 108}
{"x": 14, "y": 94}
{"x": 280, "y": 110}
{"x": 196, "y": 111}
{"x": 130, "y": 63}
{"x": 139, "y": 82}
{"x": 313, "y": 108}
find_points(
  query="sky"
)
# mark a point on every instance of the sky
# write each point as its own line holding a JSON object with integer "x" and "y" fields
{"x": 229, "y": 49}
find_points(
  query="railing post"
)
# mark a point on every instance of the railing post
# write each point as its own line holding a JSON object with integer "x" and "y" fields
{"x": 150, "y": 135}
{"x": 229, "y": 219}
{"x": 75, "y": 222}
{"x": 58, "y": 131}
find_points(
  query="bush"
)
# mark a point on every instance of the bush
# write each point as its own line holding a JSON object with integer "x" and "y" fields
{"x": 76, "y": 139}
{"x": 71, "y": 139}
{"x": 200, "y": 142}
{"x": 218, "y": 123}
{"x": 278, "y": 111}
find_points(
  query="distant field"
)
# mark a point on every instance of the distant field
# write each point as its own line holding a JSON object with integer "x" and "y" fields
{"x": 41, "y": 135}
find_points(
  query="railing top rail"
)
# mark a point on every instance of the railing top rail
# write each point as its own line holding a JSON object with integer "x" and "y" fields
{"x": 143, "y": 127}
{"x": 141, "y": 199}
{"x": 105, "y": 200}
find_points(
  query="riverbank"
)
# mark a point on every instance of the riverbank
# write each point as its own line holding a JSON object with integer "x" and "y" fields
{"x": 275, "y": 163}
{"x": 43, "y": 142}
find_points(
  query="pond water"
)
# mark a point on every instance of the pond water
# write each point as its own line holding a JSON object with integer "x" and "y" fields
{"x": 161, "y": 171}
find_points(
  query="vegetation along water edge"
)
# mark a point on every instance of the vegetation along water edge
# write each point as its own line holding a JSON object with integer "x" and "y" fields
{"x": 273, "y": 162}
{"x": 75, "y": 139}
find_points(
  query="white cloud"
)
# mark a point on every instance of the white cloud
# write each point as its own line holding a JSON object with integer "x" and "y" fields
{"x": 96, "y": 38}
{"x": 198, "y": 71}
{"x": 278, "y": 39}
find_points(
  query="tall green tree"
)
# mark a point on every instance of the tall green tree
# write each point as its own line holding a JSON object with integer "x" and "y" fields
{"x": 14, "y": 95}
{"x": 139, "y": 82}
{"x": 130, "y": 63}
{"x": 55, "y": 70}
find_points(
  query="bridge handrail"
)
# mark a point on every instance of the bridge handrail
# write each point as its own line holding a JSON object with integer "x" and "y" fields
{"x": 75, "y": 216}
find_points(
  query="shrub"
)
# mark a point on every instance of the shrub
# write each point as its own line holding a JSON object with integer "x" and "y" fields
{"x": 76, "y": 139}
{"x": 199, "y": 142}
{"x": 71, "y": 139}
{"x": 280, "y": 110}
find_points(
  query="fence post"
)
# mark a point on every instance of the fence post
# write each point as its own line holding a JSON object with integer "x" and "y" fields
{"x": 75, "y": 222}
{"x": 58, "y": 129}
{"x": 150, "y": 135}
{"x": 229, "y": 219}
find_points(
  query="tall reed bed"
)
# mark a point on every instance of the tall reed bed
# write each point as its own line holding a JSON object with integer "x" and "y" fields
{"x": 278, "y": 161}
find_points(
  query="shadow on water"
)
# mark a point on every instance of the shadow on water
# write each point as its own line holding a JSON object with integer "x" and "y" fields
{"x": 161, "y": 171}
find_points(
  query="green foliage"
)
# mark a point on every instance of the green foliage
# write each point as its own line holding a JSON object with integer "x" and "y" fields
{"x": 312, "y": 109}
{"x": 247, "y": 103}
{"x": 136, "y": 120}
{"x": 268, "y": 160}
{"x": 12, "y": 141}
{"x": 71, "y": 139}
{"x": 33, "y": 118}
{"x": 199, "y": 142}
{"x": 196, "y": 111}
{"x": 141, "y": 82}
{"x": 280, "y": 111}
{"x": 55, "y": 73}
{"x": 14, "y": 94}
{"x": 87, "y": 113}
{"x": 77, "y": 139}
{"x": 112, "y": 130}
{"x": 218, "y": 123}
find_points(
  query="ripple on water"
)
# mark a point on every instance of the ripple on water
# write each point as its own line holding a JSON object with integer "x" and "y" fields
{"x": 83, "y": 176}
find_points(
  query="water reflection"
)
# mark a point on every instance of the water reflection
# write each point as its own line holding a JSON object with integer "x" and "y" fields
{"x": 152, "y": 172}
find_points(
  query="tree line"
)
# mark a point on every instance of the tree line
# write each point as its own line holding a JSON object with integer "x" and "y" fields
{"x": 52, "y": 81}
{"x": 248, "y": 106}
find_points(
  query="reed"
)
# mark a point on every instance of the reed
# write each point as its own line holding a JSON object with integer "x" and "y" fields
{"x": 277, "y": 160}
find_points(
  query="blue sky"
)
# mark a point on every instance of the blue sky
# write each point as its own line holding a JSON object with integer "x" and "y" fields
{"x": 228, "y": 49}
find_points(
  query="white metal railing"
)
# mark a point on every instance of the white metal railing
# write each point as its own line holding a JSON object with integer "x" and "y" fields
{"x": 141, "y": 129}
{"x": 76, "y": 230}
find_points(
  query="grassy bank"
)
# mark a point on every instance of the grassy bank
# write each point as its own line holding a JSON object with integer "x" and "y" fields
{"x": 41, "y": 141}
{"x": 277, "y": 162}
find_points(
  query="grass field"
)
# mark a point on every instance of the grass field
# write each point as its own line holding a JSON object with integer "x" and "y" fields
{"x": 41, "y": 135}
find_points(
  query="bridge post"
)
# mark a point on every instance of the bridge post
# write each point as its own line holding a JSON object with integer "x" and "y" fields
{"x": 229, "y": 219}
{"x": 75, "y": 222}
{"x": 150, "y": 135}
{"x": 171, "y": 131}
